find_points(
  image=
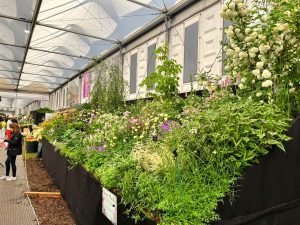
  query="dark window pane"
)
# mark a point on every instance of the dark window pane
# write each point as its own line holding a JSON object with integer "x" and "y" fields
{"x": 133, "y": 69}
{"x": 190, "y": 53}
{"x": 151, "y": 61}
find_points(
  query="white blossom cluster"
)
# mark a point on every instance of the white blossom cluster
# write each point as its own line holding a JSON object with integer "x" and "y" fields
{"x": 255, "y": 45}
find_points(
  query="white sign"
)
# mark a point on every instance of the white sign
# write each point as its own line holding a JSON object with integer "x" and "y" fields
{"x": 109, "y": 205}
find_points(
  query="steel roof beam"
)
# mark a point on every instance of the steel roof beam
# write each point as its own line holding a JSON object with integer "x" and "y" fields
{"x": 36, "y": 64}
{"x": 23, "y": 92}
{"x": 59, "y": 53}
{"x": 34, "y": 74}
{"x": 148, "y": 6}
{"x": 15, "y": 18}
{"x": 76, "y": 32}
{"x": 55, "y": 27}
{"x": 12, "y": 45}
{"x": 55, "y": 67}
{"x": 34, "y": 81}
{"x": 34, "y": 19}
{"x": 42, "y": 50}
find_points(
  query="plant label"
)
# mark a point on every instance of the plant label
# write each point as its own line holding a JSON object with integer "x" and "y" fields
{"x": 109, "y": 205}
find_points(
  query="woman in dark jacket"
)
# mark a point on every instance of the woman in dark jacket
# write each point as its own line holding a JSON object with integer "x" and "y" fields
{"x": 14, "y": 148}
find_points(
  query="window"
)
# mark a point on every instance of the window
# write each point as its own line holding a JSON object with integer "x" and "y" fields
{"x": 190, "y": 53}
{"x": 151, "y": 61}
{"x": 133, "y": 73}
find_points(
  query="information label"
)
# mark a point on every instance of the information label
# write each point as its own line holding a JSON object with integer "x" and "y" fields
{"x": 109, "y": 205}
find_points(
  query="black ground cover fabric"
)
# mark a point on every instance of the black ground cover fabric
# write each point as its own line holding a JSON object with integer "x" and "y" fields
{"x": 268, "y": 193}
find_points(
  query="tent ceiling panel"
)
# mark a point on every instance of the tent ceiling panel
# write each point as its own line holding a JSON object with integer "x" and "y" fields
{"x": 18, "y": 8}
{"x": 55, "y": 60}
{"x": 36, "y": 88}
{"x": 71, "y": 30}
{"x": 43, "y": 78}
{"x": 5, "y": 74}
{"x": 34, "y": 96}
{"x": 12, "y": 53}
{"x": 12, "y": 32}
{"x": 9, "y": 65}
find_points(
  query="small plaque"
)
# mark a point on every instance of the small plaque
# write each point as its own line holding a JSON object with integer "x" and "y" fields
{"x": 109, "y": 205}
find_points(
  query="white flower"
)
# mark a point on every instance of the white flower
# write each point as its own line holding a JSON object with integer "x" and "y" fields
{"x": 254, "y": 35}
{"x": 230, "y": 33}
{"x": 293, "y": 40}
{"x": 267, "y": 83}
{"x": 265, "y": 18}
{"x": 241, "y": 5}
{"x": 247, "y": 30}
{"x": 243, "y": 80}
{"x": 264, "y": 48}
{"x": 253, "y": 81}
{"x": 257, "y": 29}
{"x": 243, "y": 55}
{"x": 241, "y": 86}
{"x": 252, "y": 55}
{"x": 259, "y": 65}
{"x": 254, "y": 50}
{"x": 291, "y": 84}
{"x": 231, "y": 5}
{"x": 262, "y": 37}
{"x": 237, "y": 49}
{"x": 266, "y": 74}
{"x": 258, "y": 94}
{"x": 230, "y": 52}
{"x": 292, "y": 90}
{"x": 256, "y": 72}
{"x": 279, "y": 27}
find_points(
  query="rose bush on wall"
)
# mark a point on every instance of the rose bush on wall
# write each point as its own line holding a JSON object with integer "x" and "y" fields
{"x": 172, "y": 159}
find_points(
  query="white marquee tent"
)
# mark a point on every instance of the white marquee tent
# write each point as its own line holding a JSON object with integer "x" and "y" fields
{"x": 43, "y": 43}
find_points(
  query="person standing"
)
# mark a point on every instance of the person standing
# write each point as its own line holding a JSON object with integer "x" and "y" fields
{"x": 8, "y": 131}
{"x": 13, "y": 150}
{"x": 3, "y": 128}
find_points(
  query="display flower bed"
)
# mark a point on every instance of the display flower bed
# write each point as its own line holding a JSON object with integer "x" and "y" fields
{"x": 175, "y": 160}
{"x": 258, "y": 201}
{"x": 31, "y": 144}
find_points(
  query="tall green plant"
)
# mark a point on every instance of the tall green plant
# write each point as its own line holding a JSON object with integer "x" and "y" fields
{"x": 108, "y": 91}
{"x": 165, "y": 78}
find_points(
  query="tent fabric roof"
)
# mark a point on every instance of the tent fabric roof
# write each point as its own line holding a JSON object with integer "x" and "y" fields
{"x": 63, "y": 36}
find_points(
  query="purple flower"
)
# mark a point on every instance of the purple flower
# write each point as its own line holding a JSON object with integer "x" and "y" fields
{"x": 98, "y": 148}
{"x": 165, "y": 126}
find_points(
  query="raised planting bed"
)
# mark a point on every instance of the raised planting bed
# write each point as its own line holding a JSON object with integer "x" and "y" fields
{"x": 81, "y": 190}
{"x": 268, "y": 193}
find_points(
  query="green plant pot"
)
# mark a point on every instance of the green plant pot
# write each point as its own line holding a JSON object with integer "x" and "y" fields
{"x": 31, "y": 146}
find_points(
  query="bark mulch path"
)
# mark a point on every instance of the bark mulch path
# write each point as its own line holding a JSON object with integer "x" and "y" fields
{"x": 49, "y": 211}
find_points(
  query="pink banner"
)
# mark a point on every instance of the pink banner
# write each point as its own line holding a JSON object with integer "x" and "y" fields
{"x": 86, "y": 84}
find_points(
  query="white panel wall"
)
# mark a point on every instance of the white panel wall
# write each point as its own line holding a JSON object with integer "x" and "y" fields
{"x": 210, "y": 37}
{"x": 142, "y": 63}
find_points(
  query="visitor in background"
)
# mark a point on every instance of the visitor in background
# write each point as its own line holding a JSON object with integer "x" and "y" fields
{"x": 3, "y": 128}
{"x": 14, "y": 119}
{"x": 14, "y": 148}
{"x": 8, "y": 131}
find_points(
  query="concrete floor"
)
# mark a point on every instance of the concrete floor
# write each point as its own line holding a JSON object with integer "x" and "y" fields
{"x": 15, "y": 209}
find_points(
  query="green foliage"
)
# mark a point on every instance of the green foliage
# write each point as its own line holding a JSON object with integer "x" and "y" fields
{"x": 181, "y": 177}
{"x": 165, "y": 78}
{"x": 108, "y": 90}
{"x": 45, "y": 110}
